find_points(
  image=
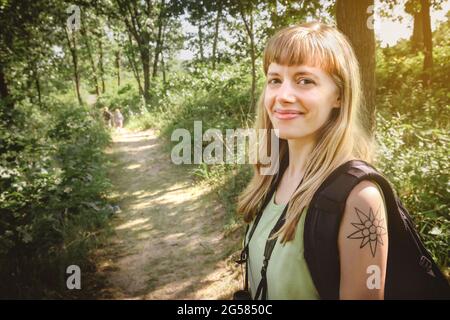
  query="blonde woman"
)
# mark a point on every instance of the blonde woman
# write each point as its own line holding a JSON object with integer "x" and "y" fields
{"x": 312, "y": 96}
{"x": 118, "y": 119}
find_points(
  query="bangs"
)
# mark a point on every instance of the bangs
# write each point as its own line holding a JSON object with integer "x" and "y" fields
{"x": 301, "y": 45}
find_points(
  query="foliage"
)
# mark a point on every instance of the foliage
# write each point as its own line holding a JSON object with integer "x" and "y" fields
{"x": 416, "y": 161}
{"x": 53, "y": 197}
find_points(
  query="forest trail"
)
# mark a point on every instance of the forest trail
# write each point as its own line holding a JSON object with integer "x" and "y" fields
{"x": 168, "y": 240}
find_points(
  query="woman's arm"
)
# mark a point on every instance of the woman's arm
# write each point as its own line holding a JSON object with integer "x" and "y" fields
{"x": 363, "y": 244}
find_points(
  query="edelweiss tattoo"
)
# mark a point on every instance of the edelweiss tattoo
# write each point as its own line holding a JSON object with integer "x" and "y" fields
{"x": 370, "y": 229}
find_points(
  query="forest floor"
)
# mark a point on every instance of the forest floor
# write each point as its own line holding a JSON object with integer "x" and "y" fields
{"x": 168, "y": 240}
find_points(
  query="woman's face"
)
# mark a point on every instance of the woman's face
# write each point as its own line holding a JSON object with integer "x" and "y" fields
{"x": 299, "y": 99}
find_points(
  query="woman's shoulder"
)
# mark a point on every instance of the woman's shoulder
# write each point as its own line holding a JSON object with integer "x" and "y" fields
{"x": 366, "y": 195}
{"x": 366, "y": 191}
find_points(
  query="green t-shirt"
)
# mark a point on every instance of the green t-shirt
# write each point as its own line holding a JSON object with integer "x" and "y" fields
{"x": 289, "y": 278}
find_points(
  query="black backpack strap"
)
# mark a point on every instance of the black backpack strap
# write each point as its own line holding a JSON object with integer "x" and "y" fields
{"x": 268, "y": 249}
{"x": 244, "y": 252}
{"x": 323, "y": 220}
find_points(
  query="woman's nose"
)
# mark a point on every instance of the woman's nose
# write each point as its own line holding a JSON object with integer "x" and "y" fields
{"x": 286, "y": 93}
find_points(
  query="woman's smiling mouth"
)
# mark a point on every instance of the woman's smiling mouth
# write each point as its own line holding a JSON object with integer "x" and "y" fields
{"x": 287, "y": 114}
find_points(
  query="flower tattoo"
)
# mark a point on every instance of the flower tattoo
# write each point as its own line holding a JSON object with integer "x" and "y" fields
{"x": 370, "y": 229}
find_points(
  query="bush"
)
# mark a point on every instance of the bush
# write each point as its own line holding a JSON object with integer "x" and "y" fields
{"x": 413, "y": 125}
{"x": 53, "y": 198}
{"x": 416, "y": 161}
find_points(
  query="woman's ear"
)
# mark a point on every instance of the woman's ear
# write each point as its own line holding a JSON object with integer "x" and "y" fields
{"x": 337, "y": 103}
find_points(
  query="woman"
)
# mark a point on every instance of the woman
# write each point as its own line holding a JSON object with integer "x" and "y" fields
{"x": 118, "y": 119}
{"x": 312, "y": 96}
{"x": 107, "y": 116}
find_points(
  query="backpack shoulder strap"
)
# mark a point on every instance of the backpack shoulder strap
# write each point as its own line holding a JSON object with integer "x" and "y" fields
{"x": 323, "y": 221}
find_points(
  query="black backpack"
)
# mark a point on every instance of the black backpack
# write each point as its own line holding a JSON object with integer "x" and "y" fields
{"x": 411, "y": 272}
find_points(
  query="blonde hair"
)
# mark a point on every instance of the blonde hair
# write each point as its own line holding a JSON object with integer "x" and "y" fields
{"x": 341, "y": 138}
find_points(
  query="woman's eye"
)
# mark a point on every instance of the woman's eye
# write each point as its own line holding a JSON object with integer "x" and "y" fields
{"x": 305, "y": 81}
{"x": 274, "y": 81}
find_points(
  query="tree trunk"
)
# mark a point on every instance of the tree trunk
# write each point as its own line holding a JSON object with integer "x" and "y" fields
{"x": 145, "y": 60}
{"x": 73, "y": 51}
{"x": 253, "y": 56}
{"x": 250, "y": 33}
{"x": 91, "y": 57}
{"x": 216, "y": 35}
{"x": 38, "y": 83}
{"x": 144, "y": 51}
{"x": 7, "y": 112}
{"x": 158, "y": 41}
{"x": 131, "y": 59}
{"x": 30, "y": 80}
{"x": 163, "y": 67}
{"x": 427, "y": 41}
{"x": 4, "y": 91}
{"x": 142, "y": 37}
{"x": 100, "y": 63}
{"x": 136, "y": 74}
{"x": 118, "y": 67}
{"x": 417, "y": 36}
{"x": 352, "y": 18}
{"x": 200, "y": 39}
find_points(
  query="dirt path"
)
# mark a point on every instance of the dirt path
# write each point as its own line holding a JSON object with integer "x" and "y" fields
{"x": 168, "y": 241}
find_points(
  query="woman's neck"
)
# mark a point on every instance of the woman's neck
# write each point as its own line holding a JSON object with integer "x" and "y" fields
{"x": 299, "y": 152}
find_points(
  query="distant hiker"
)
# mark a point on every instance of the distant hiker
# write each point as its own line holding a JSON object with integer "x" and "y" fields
{"x": 118, "y": 119}
{"x": 107, "y": 117}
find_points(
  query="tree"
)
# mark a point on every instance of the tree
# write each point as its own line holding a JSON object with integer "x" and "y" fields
{"x": 22, "y": 25}
{"x": 248, "y": 23}
{"x": 137, "y": 17}
{"x": 417, "y": 36}
{"x": 354, "y": 21}
{"x": 421, "y": 38}
{"x": 87, "y": 42}
{"x": 283, "y": 13}
{"x": 129, "y": 52}
{"x": 427, "y": 41}
{"x": 245, "y": 11}
{"x": 72, "y": 45}
{"x": 117, "y": 60}
{"x": 100, "y": 60}
{"x": 199, "y": 16}
{"x": 159, "y": 37}
{"x": 216, "y": 33}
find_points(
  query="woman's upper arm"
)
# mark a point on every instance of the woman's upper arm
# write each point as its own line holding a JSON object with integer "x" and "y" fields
{"x": 363, "y": 244}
